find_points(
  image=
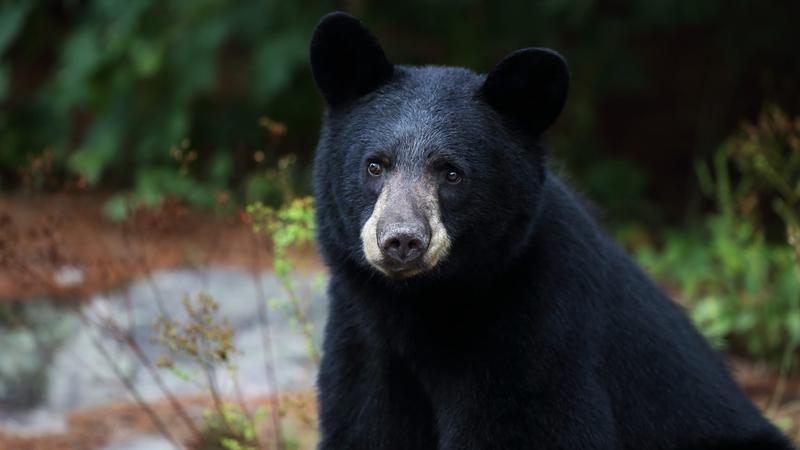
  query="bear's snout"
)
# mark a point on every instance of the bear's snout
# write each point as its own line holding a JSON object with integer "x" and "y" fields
{"x": 404, "y": 243}
{"x": 404, "y": 236}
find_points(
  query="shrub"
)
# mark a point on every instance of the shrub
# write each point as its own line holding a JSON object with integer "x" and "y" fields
{"x": 743, "y": 289}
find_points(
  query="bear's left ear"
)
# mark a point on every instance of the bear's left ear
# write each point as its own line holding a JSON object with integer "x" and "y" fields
{"x": 346, "y": 59}
{"x": 528, "y": 87}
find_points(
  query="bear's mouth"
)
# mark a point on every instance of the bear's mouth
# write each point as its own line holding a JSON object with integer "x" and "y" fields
{"x": 401, "y": 273}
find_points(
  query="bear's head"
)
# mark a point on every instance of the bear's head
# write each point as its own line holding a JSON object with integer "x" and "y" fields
{"x": 425, "y": 172}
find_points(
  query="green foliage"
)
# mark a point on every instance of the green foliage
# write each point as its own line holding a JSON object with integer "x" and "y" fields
{"x": 742, "y": 289}
{"x": 769, "y": 153}
{"x": 134, "y": 79}
{"x": 231, "y": 429}
{"x": 272, "y": 184}
{"x": 12, "y": 17}
{"x": 108, "y": 87}
{"x": 288, "y": 227}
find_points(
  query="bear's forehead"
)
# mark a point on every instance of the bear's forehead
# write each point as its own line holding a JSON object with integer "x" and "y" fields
{"x": 433, "y": 88}
{"x": 426, "y": 109}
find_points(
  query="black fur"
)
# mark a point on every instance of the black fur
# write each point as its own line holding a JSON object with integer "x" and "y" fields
{"x": 527, "y": 77}
{"x": 347, "y": 60}
{"x": 537, "y": 331}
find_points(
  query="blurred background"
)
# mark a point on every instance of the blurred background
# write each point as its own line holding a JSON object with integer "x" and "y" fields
{"x": 155, "y": 158}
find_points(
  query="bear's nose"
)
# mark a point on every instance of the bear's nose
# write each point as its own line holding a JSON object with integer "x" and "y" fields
{"x": 404, "y": 243}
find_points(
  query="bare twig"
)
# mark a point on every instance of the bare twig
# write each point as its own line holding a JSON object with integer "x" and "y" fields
{"x": 131, "y": 388}
{"x": 266, "y": 342}
{"x": 126, "y": 338}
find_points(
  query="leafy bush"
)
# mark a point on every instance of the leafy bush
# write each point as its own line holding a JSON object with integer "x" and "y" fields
{"x": 97, "y": 92}
{"x": 743, "y": 290}
{"x": 135, "y": 83}
{"x": 272, "y": 184}
{"x": 230, "y": 429}
{"x": 769, "y": 153}
{"x": 206, "y": 340}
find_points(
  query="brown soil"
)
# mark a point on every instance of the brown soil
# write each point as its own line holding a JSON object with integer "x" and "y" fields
{"x": 120, "y": 422}
{"x": 40, "y": 236}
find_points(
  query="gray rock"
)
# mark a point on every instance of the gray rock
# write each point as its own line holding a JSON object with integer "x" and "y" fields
{"x": 143, "y": 443}
{"x": 76, "y": 373}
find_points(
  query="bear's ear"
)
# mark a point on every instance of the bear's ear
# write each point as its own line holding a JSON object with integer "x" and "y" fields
{"x": 529, "y": 87}
{"x": 346, "y": 59}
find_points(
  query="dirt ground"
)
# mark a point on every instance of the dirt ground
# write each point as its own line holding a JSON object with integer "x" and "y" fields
{"x": 121, "y": 422}
{"x": 61, "y": 246}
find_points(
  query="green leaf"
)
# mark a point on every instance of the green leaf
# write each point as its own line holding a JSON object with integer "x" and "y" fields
{"x": 12, "y": 18}
{"x": 275, "y": 61}
{"x": 146, "y": 57}
{"x": 96, "y": 152}
{"x": 3, "y": 82}
{"x": 116, "y": 208}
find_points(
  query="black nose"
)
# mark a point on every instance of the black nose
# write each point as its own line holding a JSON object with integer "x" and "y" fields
{"x": 404, "y": 243}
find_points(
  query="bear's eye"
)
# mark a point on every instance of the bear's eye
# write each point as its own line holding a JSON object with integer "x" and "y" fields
{"x": 453, "y": 176}
{"x": 375, "y": 169}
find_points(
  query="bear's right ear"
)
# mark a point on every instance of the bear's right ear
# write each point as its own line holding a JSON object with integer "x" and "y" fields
{"x": 346, "y": 59}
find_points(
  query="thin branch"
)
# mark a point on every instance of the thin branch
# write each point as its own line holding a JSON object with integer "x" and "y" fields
{"x": 126, "y": 338}
{"x": 131, "y": 388}
{"x": 266, "y": 343}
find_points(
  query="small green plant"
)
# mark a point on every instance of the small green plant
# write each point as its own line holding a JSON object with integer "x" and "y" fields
{"x": 289, "y": 226}
{"x": 207, "y": 340}
{"x": 233, "y": 429}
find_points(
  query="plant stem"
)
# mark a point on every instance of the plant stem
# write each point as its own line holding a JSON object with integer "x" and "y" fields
{"x": 266, "y": 343}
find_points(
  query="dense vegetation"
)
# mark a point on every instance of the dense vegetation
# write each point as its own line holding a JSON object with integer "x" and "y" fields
{"x": 116, "y": 94}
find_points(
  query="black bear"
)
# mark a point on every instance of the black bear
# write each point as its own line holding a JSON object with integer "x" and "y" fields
{"x": 474, "y": 303}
